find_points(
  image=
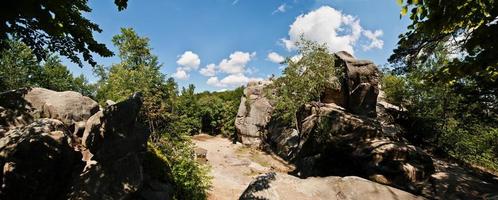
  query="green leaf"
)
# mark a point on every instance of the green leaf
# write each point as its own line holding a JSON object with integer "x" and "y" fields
{"x": 404, "y": 10}
{"x": 400, "y": 2}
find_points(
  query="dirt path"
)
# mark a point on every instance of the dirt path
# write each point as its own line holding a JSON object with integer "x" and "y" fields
{"x": 233, "y": 166}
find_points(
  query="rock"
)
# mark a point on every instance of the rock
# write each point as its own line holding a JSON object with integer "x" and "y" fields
{"x": 77, "y": 152}
{"x": 335, "y": 142}
{"x": 358, "y": 88}
{"x": 68, "y": 106}
{"x": 253, "y": 114}
{"x": 37, "y": 161}
{"x": 274, "y": 186}
{"x": 112, "y": 144}
{"x": 20, "y": 107}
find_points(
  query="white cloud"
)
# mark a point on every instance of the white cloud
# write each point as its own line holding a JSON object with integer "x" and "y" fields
{"x": 181, "y": 74}
{"x": 189, "y": 60}
{"x": 282, "y": 8}
{"x": 326, "y": 25}
{"x": 231, "y": 80}
{"x": 236, "y": 64}
{"x": 209, "y": 70}
{"x": 275, "y": 57}
{"x": 375, "y": 42}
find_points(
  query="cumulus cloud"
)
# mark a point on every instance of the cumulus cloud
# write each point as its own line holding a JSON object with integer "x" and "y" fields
{"x": 181, "y": 74}
{"x": 275, "y": 57}
{"x": 326, "y": 25}
{"x": 235, "y": 68}
{"x": 209, "y": 70}
{"x": 189, "y": 60}
{"x": 231, "y": 80}
{"x": 375, "y": 42}
{"x": 282, "y": 8}
{"x": 236, "y": 63}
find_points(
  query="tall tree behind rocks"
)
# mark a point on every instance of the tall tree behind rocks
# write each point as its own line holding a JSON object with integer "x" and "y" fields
{"x": 137, "y": 71}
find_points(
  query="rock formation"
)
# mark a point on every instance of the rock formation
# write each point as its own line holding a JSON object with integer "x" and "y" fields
{"x": 59, "y": 145}
{"x": 341, "y": 135}
{"x": 253, "y": 114}
{"x": 282, "y": 186}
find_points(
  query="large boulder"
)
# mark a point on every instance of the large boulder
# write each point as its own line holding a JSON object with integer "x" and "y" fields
{"x": 57, "y": 145}
{"x": 36, "y": 161}
{"x": 253, "y": 114}
{"x": 20, "y": 107}
{"x": 113, "y": 145}
{"x": 274, "y": 186}
{"x": 67, "y": 106}
{"x": 333, "y": 141}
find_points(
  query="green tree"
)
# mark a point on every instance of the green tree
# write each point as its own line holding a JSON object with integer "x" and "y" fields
{"x": 18, "y": 67}
{"x": 53, "y": 26}
{"x": 188, "y": 109}
{"x": 443, "y": 115}
{"x": 138, "y": 70}
{"x": 56, "y": 76}
{"x": 468, "y": 27}
{"x": 303, "y": 80}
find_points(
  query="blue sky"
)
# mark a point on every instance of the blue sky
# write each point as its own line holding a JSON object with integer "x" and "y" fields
{"x": 235, "y": 37}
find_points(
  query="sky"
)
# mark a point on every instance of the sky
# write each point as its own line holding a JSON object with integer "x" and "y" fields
{"x": 222, "y": 44}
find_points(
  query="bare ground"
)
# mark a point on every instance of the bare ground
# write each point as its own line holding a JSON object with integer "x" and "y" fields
{"x": 233, "y": 166}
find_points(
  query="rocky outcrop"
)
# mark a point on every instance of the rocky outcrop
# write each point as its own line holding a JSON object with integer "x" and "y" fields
{"x": 254, "y": 113}
{"x": 274, "y": 186}
{"x": 359, "y": 85}
{"x": 333, "y": 141}
{"x": 58, "y": 145}
{"x": 36, "y": 161}
{"x": 347, "y": 133}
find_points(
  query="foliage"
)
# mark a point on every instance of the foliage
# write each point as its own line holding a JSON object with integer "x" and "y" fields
{"x": 190, "y": 177}
{"x": 444, "y": 115}
{"x": 138, "y": 70}
{"x": 466, "y": 27}
{"x": 53, "y": 26}
{"x": 303, "y": 80}
{"x": 218, "y": 111}
{"x": 19, "y": 68}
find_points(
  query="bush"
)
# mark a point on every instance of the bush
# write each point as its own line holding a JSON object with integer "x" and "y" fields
{"x": 190, "y": 178}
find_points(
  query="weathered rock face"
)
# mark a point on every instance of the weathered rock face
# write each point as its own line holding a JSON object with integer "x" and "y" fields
{"x": 53, "y": 147}
{"x": 113, "y": 142}
{"x": 332, "y": 141}
{"x": 359, "y": 85}
{"x": 253, "y": 114}
{"x": 68, "y": 106}
{"x": 282, "y": 186}
{"x": 36, "y": 161}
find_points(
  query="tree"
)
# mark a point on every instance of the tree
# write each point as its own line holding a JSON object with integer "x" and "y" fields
{"x": 138, "y": 71}
{"x": 443, "y": 115}
{"x": 18, "y": 67}
{"x": 468, "y": 27}
{"x": 303, "y": 80}
{"x": 56, "y": 76}
{"x": 188, "y": 108}
{"x": 53, "y": 26}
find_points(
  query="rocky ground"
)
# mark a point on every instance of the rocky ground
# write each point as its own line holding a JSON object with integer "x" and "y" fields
{"x": 247, "y": 173}
{"x": 234, "y": 166}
